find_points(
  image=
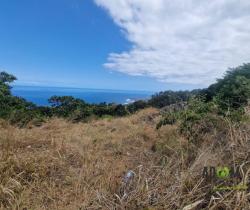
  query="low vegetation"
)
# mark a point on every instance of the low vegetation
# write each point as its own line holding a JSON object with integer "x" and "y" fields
{"x": 142, "y": 156}
{"x": 63, "y": 165}
{"x": 20, "y": 112}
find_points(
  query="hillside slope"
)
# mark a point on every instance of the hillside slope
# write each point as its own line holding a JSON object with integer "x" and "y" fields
{"x": 62, "y": 165}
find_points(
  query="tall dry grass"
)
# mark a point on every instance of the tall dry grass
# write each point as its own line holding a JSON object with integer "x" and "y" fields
{"x": 61, "y": 165}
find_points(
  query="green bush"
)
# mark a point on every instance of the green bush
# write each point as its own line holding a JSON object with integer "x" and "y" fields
{"x": 169, "y": 118}
{"x": 136, "y": 106}
{"x": 166, "y": 98}
{"x": 81, "y": 114}
{"x": 200, "y": 118}
{"x": 22, "y": 117}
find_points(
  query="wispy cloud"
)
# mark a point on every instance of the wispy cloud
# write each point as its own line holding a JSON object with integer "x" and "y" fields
{"x": 181, "y": 41}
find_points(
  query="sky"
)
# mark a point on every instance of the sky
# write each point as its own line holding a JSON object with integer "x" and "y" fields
{"x": 123, "y": 44}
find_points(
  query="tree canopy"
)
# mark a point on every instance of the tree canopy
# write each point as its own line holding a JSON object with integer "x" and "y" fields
{"x": 230, "y": 92}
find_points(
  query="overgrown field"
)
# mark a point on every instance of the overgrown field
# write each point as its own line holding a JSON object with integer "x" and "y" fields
{"x": 62, "y": 165}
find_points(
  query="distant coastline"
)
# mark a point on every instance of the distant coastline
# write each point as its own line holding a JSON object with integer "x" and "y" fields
{"x": 40, "y": 94}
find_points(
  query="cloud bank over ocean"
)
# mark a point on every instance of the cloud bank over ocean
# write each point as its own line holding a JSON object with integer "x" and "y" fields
{"x": 181, "y": 41}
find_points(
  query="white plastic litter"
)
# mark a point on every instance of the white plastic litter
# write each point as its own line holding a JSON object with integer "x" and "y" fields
{"x": 129, "y": 176}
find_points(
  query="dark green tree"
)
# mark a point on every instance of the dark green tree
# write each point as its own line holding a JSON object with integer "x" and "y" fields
{"x": 63, "y": 106}
{"x": 5, "y": 80}
{"x": 120, "y": 110}
{"x": 233, "y": 90}
{"x": 137, "y": 105}
{"x": 169, "y": 97}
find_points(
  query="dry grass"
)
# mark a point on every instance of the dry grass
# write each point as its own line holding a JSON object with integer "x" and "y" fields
{"x": 61, "y": 165}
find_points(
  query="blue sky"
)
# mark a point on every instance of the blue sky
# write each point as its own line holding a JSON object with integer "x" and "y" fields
{"x": 98, "y": 44}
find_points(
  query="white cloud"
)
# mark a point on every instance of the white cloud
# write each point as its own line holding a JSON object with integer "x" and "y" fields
{"x": 181, "y": 41}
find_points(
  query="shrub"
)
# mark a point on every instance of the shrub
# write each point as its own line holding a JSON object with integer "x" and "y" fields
{"x": 166, "y": 98}
{"x": 120, "y": 110}
{"x": 136, "y": 106}
{"x": 81, "y": 114}
{"x": 169, "y": 118}
{"x": 22, "y": 117}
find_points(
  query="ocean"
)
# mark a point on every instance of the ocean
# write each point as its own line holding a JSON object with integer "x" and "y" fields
{"x": 40, "y": 95}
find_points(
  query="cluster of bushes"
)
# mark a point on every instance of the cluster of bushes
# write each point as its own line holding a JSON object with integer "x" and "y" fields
{"x": 78, "y": 110}
{"x": 227, "y": 97}
{"x": 222, "y": 101}
{"x": 17, "y": 110}
{"x": 20, "y": 112}
{"x": 166, "y": 98}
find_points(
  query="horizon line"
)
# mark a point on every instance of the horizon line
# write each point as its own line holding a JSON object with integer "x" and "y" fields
{"x": 70, "y": 87}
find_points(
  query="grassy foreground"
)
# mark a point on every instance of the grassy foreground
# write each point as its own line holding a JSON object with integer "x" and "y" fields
{"x": 62, "y": 165}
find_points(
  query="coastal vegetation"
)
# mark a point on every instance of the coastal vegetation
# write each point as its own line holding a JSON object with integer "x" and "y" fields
{"x": 147, "y": 155}
{"x": 228, "y": 96}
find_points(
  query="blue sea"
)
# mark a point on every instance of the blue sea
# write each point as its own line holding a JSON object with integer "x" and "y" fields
{"x": 40, "y": 95}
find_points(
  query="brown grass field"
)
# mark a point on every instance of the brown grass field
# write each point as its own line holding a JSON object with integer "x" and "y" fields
{"x": 62, "y": 165}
